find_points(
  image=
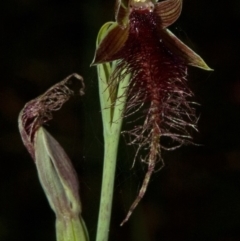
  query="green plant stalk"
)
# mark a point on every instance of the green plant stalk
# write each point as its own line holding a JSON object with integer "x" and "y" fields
{"x": 112, "y": 123}
{"x": 110, "y": 158}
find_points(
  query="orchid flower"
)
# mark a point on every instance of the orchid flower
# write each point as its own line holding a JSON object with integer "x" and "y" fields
{"x": 139, "y": 45}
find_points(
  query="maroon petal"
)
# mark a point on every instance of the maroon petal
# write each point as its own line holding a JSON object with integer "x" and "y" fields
{"x": 181, "y": 50}
{"x": 168, "y": 11}
{"x": 109, "y": 48}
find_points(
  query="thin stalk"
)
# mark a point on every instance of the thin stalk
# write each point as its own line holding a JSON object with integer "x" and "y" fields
{"x": 110, "y": 158}
{"x": 112, "y": 122}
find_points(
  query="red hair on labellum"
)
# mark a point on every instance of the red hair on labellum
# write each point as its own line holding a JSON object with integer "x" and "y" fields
{"x": 157, "y": 61}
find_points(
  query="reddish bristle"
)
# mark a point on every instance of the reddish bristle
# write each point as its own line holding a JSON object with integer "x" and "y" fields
{"x": 159, "y": 81}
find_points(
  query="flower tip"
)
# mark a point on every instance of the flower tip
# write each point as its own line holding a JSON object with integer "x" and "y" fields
{"x": 208, "y": 68}
{"x": 94, "y": 62}
{"x": 202, "y": 65}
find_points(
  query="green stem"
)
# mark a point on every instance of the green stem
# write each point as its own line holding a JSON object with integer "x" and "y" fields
{"x": 112, "y": 123}
{"x": 110, "y": 159}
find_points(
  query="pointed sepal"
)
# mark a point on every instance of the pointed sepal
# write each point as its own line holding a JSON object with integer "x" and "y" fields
{"x": 176, "y": 46}
{"x": 168, "y": 11}
{"x": 110, "y": 40}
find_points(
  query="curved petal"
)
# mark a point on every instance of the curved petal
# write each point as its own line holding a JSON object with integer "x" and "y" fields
{"x": 181, "y": 50}
{"x": 168, "y": 11}
{"x": 111, "y": 38}
{"x": 122, "y": 13}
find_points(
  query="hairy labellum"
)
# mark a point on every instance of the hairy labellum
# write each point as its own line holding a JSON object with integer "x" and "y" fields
{"x": 157, "y": 61}
{"x": 158, "y": 79}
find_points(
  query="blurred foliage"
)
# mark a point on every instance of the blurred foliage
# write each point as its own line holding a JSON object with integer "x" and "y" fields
{"x": 195, "y": 197}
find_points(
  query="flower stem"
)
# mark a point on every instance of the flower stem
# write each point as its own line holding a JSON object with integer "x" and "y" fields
{"x": 112, "y": 111}
{"x": 110, "y": 158}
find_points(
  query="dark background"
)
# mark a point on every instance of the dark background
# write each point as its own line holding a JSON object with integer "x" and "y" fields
{"x": 195, "y": 197}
